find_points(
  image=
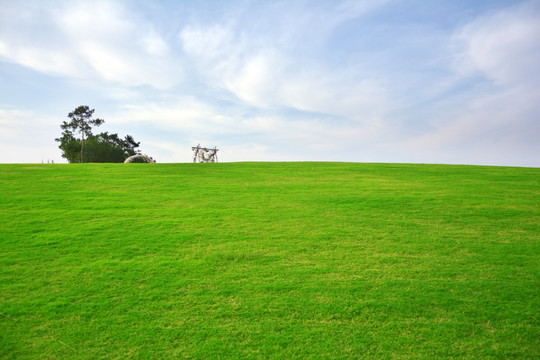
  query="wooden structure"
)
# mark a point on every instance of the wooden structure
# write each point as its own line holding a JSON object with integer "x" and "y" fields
{"x": 204, "y": 155}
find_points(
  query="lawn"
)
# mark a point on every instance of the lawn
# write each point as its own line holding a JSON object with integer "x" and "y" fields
{"x": 269, "y": 261}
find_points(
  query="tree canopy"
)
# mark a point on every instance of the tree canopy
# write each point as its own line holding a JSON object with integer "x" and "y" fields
{"x": 79, "y": 144}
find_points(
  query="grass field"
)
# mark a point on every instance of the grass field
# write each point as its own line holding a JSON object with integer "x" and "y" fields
{"x": 269, "y": 261}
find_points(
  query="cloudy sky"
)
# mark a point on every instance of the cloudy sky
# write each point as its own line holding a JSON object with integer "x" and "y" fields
{"x": 411, "y": 81}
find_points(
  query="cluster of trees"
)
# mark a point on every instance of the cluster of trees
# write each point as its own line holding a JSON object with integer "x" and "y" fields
{"x": 79, "y": 144}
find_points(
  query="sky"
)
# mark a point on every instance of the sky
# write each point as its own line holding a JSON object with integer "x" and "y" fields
{"x": 396, "y": 81}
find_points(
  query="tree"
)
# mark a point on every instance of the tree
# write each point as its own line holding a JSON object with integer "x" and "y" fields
{"x": 81, "y": 122}
{"x": 70, "y": 146}
{"x": 107, "y": 147}
{"x": 103, "y": 147}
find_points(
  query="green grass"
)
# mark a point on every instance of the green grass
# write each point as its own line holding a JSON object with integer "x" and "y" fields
{"x": 269, "y": 261}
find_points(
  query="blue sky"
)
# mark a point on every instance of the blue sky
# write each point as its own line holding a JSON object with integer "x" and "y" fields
{"x": 409, "y": 81}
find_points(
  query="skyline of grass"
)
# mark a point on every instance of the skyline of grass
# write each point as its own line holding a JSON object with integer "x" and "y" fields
{"x": 269, "y": 260}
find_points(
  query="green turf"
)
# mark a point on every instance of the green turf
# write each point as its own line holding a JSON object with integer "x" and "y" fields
{"x": 269, "y": 261}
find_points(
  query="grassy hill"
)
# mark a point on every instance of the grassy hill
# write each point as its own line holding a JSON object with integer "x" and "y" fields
{"x": 269, "y": 260}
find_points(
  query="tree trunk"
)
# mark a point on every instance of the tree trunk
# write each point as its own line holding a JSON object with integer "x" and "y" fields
{"x": 82, "y": 148}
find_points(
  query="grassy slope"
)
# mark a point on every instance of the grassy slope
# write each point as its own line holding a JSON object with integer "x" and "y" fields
{"x": 269, "y": 260}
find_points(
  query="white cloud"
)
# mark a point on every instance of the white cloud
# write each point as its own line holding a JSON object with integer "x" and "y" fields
{"x": 88, "y": 40}
{"x": 185, "y": 114}
{"x": 273, "y": 136}
{"x": 256, "y": 80}
{"x": 27, "y": 137}
{"x": 505, "y": 45}
{"x": 207, "y": 42}
{"x": 168, "y": 152}
{"x": 284, "y": 80}
{"x": 500, "y": 121}
{"x": 266, "y": 69}
{"x": 154, "y": 44}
